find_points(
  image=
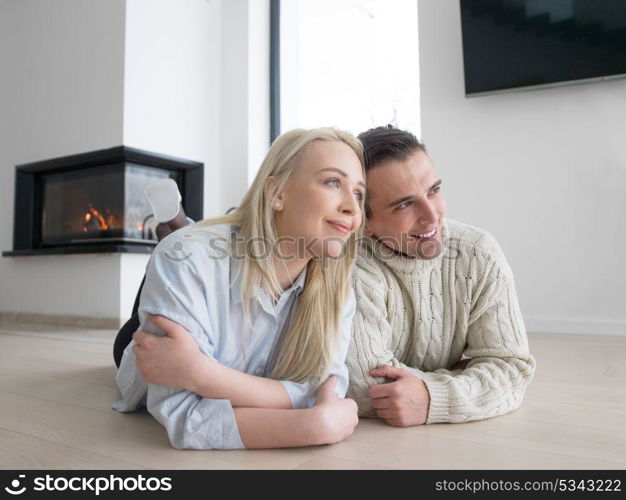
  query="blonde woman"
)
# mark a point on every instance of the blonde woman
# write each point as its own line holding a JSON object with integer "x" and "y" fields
{"x": 255, "y": 308}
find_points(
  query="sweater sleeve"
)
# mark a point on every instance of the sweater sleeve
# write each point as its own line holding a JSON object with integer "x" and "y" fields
{"x": 501, "y": 367}
{"x": 494, "y": 381}
{"x": 370, "y": 345}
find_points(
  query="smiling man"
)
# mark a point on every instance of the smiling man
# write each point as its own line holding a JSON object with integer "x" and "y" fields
{"x": 438, "y": 335}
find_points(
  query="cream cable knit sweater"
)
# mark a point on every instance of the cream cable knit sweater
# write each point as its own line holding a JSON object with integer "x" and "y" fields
{"x": 423, "y": 315}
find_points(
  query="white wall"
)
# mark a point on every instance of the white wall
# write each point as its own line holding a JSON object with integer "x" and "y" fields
{"x": 258, "y": 85}
{"x": 544, "y": 171}
{"x": 234, "y": 106}
{"x": 172, "y": 84}
{"x": 244, "y": 94}
{"x": 180, "y": 77}
{"x": 61, "y": 93}
{"x": 197, "y": 86}
{"x": 172, "y": 97}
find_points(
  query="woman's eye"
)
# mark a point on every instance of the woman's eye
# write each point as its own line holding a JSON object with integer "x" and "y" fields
{"x": 333, "y": 182}
{"x": 359, "y": 195}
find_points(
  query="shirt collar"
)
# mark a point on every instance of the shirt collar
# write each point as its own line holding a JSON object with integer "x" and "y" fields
{"x": 236, "y": 281}
{"x": 298, "y": 284}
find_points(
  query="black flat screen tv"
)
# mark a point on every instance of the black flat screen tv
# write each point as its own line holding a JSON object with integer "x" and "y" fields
{"x": 522, "y": 44}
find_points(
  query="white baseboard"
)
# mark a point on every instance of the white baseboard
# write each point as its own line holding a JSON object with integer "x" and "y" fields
{"x": 542, "y": 325}
{"x": 61, "y": 320}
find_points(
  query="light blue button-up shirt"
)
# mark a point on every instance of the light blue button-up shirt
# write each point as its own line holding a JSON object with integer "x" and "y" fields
{"x": 193, "y": 281}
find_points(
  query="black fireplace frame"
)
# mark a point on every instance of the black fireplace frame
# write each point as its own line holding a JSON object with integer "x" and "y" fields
{"x": 28, "y": 190}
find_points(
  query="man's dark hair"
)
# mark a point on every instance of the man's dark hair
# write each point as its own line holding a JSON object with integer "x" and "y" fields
{"x": 382, "y": 144}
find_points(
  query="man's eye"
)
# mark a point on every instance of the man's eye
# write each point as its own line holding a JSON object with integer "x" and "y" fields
{"x": 435, "y": 190}
{"x": 403, "y": 205}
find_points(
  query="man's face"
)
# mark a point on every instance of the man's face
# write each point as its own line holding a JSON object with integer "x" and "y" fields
{"x": 406, "y": 206}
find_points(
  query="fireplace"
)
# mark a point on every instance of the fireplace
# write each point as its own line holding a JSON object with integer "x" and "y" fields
{"x": 95, "y": 202}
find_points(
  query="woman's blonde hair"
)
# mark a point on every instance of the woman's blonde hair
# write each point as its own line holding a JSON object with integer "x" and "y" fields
{"x": 306, "y": 349}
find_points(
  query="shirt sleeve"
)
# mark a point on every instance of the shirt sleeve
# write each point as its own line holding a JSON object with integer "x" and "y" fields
{"x": 304, "y": 395}
{"x": 175, "y": 288}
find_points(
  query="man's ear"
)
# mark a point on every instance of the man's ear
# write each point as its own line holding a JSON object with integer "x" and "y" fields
{"x": 272, "y": 194}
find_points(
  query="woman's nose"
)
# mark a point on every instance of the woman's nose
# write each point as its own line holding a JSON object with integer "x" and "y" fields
{"x": 349, "y": 205}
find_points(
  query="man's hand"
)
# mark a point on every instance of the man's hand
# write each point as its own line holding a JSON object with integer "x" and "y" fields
{"x": 462, "y": 364}
{"x": 174, "y": 360}
{"x": 401, "y": 403}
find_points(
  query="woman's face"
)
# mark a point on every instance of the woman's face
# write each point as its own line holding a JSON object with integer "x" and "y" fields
{"x": 320, "y": 207}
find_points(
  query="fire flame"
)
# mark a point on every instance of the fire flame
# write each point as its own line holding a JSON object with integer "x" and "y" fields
{"x": 96, "y": 220}
{"x": 101, "y": 221}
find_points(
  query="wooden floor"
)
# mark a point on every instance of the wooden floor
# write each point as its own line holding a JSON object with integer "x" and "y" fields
{"x": 56, "y": 388}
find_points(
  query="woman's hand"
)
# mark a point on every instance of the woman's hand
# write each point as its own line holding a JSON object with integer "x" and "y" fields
{"x": 336, "y": 417}
{"x": 172, "y": 361}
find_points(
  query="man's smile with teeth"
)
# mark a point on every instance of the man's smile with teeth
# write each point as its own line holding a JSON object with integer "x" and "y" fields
{"x": 426, "y": 235}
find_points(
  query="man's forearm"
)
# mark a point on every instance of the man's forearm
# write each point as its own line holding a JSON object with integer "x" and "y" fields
{"x": 217, "y": 381}
{"x": 488, "y": 387}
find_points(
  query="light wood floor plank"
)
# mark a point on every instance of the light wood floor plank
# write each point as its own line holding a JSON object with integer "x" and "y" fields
{"x": 604, "y": 381}
{"x": 559, "y": 438}
{"x": 324, "y": 463}
{"x": 134, "y": 437}
{"x": 375, "y": 443}
{"x": 580, "y": 415}
{"x": 71, "y": 392}
{"x": 88, "y": 369}
{"x": 56, "y": 388}
{"x": 20, "y": 451}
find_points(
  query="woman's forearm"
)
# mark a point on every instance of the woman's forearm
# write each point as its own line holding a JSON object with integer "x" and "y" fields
{"x": 217, "y": 381}
{"x": 272, "y": 428}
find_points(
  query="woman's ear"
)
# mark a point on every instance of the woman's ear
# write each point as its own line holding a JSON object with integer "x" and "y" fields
{"x": 272, "y": 194}
{"x": 368, "y": 232}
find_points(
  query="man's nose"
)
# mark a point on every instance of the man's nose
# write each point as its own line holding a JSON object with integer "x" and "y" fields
{"x": 427, "y": 214}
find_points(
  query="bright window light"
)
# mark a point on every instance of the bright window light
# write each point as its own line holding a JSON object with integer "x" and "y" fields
{"x": 349, "y": 63}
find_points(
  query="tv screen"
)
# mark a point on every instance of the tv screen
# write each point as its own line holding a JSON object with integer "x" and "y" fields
{"x": 516, "y": 44}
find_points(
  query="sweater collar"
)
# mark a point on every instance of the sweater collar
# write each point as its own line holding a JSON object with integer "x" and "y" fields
{"x": 399, "y": 262}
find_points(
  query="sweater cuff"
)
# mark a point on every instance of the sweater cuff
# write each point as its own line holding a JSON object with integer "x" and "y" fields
{"x": 439, "y": 410}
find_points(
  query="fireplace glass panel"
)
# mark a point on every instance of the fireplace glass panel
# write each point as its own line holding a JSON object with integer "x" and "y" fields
{"x": 99, "y": 203}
